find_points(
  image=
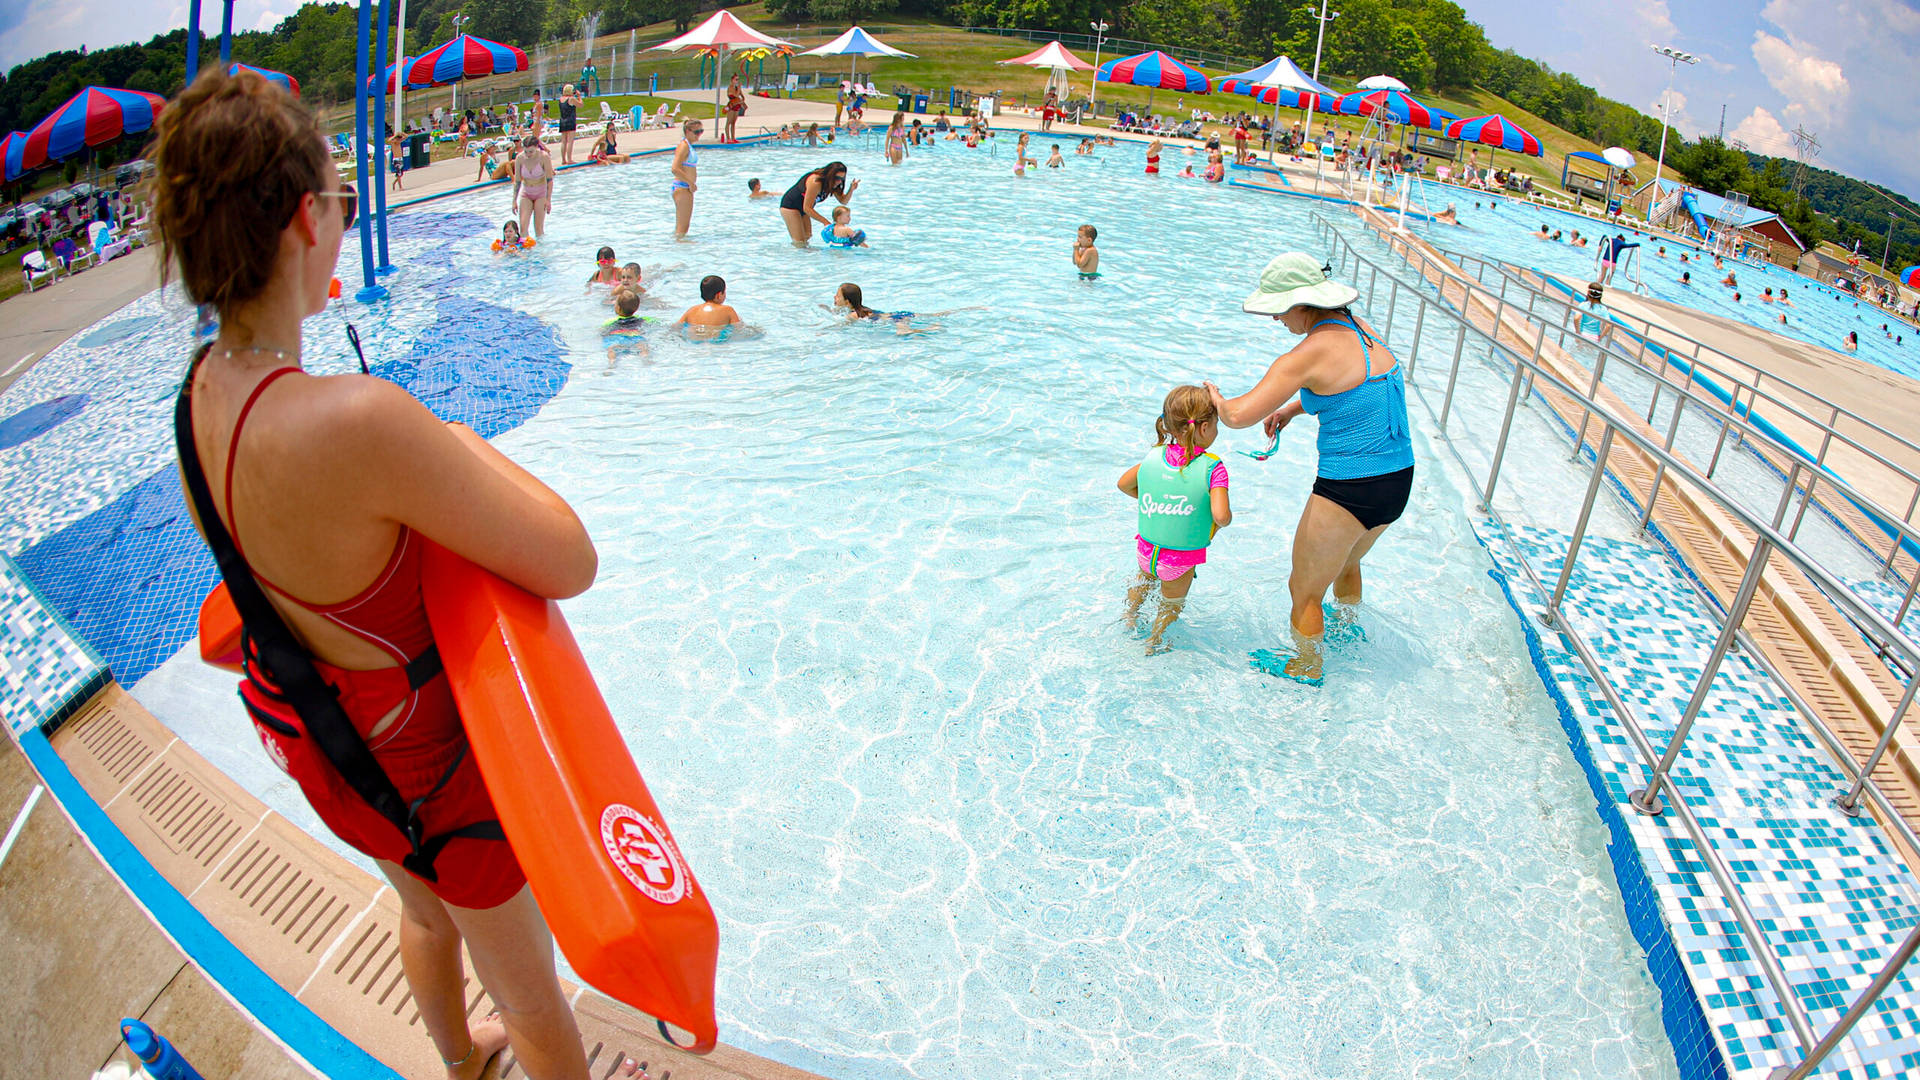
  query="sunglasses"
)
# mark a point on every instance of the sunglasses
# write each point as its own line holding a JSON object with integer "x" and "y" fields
{"x": 349, "y": 207}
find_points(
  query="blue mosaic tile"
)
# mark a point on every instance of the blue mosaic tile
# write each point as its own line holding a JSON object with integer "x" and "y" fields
{"x": 1826, "y": 890}
{"x": 45, "y": 670}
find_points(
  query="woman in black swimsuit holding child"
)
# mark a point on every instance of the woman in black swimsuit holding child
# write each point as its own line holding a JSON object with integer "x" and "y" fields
{"x": 797, "y": 205}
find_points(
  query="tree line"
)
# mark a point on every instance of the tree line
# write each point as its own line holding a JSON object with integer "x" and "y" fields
{"x": 1429, "y": 44}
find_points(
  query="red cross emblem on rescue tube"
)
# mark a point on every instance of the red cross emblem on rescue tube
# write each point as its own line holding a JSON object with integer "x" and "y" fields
{"x": 642, "y": 853}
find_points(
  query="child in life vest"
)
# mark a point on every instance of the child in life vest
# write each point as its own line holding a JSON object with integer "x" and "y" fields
{"x": 510, "y": 239}
{"x": 1182, "y": 492}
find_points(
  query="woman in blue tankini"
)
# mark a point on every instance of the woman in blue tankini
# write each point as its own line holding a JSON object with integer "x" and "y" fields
{"x": 1346, "y": 377}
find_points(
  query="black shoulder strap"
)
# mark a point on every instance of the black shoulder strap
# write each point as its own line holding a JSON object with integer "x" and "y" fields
{"x": 271, "y": 645}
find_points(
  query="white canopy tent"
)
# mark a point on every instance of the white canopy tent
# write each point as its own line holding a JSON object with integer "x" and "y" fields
{"x": 855, "y": 43}
{"x": 723, "y": 32}
{"x": 1382, "y": 82}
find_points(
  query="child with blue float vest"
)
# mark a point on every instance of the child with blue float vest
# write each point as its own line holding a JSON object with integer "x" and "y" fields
{"x": 1182, "y": 492}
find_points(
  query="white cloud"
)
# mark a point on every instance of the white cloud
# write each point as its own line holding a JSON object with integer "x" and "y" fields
{"x": 1654, "y": 18}
{"x": 1815, "y": 88}
{"x": 268, "y": 19}
{"x": 1761, "y": 132}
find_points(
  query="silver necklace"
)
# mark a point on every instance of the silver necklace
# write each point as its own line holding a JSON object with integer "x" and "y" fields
{"x": 277, "y": 354}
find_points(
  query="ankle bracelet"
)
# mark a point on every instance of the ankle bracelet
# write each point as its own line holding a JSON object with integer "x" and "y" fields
{"x": 472, "y": 1045}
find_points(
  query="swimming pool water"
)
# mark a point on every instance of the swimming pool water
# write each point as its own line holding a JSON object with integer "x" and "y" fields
{"x": 858, "y": 614}
{"x": 1819, "y": 314}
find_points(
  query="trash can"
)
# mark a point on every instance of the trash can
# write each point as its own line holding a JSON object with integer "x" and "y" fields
{"x": 906, "y": 101}
{"x": 419, "y": 151}
{"x": 920, "y": 103}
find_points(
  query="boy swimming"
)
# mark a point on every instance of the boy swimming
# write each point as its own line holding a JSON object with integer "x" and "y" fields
{"x": 1054, "y": 160}
{"x": 1086, "y": 257}
{"x": 623, "y": 330}
{"x": 711, "y": 315}
{"x": 755, "y": 191}
{"x": 1182, "y": 494}
{"x": 630, "y": 278}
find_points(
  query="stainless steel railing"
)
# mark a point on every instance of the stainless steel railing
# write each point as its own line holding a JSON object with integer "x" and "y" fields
{"x": 1527, "y": 370}
{"x": 1741, "y": 377}
{"x": 1734, "y": 418}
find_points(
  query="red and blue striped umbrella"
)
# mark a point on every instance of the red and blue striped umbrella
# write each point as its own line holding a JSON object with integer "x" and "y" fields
{"x": 10, "y": 151}
{"x": 1154, "y": 70}
{"x": 1395, "y": 106}
{"x": 280, "y": 77}
{"x": 405, "y": 61}
{"x": 1910, "y": 277}
{"x": 465, "y": 57}
{"x": 93, "y": 117}
{"x": 1286, "y": 95}
{"x": 1496, "y": 131}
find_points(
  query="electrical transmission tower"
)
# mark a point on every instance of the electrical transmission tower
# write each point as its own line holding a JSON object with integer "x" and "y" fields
{"x": 1805, "y": 148}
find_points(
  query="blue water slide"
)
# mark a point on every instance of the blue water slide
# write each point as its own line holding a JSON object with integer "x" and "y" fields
{"x": 1692, "y": 206}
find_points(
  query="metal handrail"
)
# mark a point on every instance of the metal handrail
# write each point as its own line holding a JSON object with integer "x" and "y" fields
{"x": 1731, "y": 419}
{"x": 1904, "y": 533}
{"x": 1768, "y": 540}
{"x": 1751, "y": 381}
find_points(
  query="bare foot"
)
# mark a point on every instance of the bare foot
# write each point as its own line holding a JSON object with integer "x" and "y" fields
{"x": 631, "y": 1067}
{"x": 489, "y": 1038}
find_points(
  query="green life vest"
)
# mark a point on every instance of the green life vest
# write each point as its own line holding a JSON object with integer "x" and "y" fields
{"x": 1176, "y": 505}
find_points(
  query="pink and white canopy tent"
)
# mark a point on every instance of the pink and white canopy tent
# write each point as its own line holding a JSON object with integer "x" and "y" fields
{"x": 723, "y": 32}
{"x": 1055, "y": 57}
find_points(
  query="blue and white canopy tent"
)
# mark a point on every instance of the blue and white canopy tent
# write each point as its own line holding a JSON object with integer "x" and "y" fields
{"x": 1283, "y": 74}
{"x": 855, "y": 43}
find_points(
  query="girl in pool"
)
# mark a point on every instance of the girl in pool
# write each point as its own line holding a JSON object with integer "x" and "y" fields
{"x": 847, "y": 298}
{"x": 533, "y": 173}
{"x": 797, "y": 205}
{"x": 1020, "y": 158}
{"x": 1153, "y": 157}
{"x": 897, "y": 139}
{"x": 1350, "y": 380}
{"x": 1852, "y": 343}
{"x": 686, "y": 177}
{"x": 1181, "y": 490}
{"x": 606, "y": 269}
{"x": 510, "y": 239}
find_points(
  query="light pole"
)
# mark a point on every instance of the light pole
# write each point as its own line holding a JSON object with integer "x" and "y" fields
{"x": 459, "y": 19}
{"x": 1320, "y": 39}
{"x": 1674, "y": 59}
{"x": 1888, "y": 253}
{"x": 1099, "y": 38}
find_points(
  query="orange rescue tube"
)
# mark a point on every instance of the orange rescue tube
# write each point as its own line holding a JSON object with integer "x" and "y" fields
{"x": 220, "y": 630}
{"x": 619, "y": 895}
{"x": 616, "y": 891}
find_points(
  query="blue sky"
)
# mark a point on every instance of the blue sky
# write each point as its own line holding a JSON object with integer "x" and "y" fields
{"x": 1839, "y": 67}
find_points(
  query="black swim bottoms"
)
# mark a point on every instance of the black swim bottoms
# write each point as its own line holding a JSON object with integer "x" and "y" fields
{"x": 1374, "y": 500}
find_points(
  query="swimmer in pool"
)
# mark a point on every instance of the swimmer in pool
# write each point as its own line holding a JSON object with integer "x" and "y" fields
{"x": 1054, "y": 160}
{"x": 606, "y": 271}
{"x": 1153, "y": 157}
{"x": 755, "y": 191}
{"x": 1767, "y": 297}
{"x": 1729, "y": 281}
{"x": 1852, "y": 343}
{"x": 622, "y": 332}
{"x": 1188, "y": 173}
{"x": 1084, "y": 149}
{"x": 510, "y": 239}
{"x": 1086, "y": 257}
{"x": 711, "y": 314}
{"x": 1783, "y": 296}
{"x": 848, "y": 298}
{"x": 630, "y": 279}
{"x": 1020, "y": 158}
{"x": 1449, "y": 216}
{"x": 1543, "y": 234}
{"x": 1686, "y": 278}
{"x": 841, "y": 233}
{"x": 1181, "y": 490}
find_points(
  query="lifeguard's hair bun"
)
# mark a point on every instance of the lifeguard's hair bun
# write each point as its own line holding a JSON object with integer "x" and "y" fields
{"x": 233, "y": 156}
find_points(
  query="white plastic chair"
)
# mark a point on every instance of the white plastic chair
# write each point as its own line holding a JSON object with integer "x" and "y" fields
{"x": 37, "y": 270}
{"x": 105, "y": 247}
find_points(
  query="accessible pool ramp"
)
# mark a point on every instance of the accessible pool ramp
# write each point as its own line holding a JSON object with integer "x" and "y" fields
{"x": 1722, "y": 631}
{"x": 324, "y": 930}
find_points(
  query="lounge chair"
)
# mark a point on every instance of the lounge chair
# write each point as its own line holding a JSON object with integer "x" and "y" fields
{"x": 608, "y": 116}
{"x": 105, "y": 247}
{"x": 36, "y": 269}
{"x": 72, "y": 255}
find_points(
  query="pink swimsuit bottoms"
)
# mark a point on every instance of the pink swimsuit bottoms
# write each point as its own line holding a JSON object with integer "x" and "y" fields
{"x": 1169, "y": 564}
